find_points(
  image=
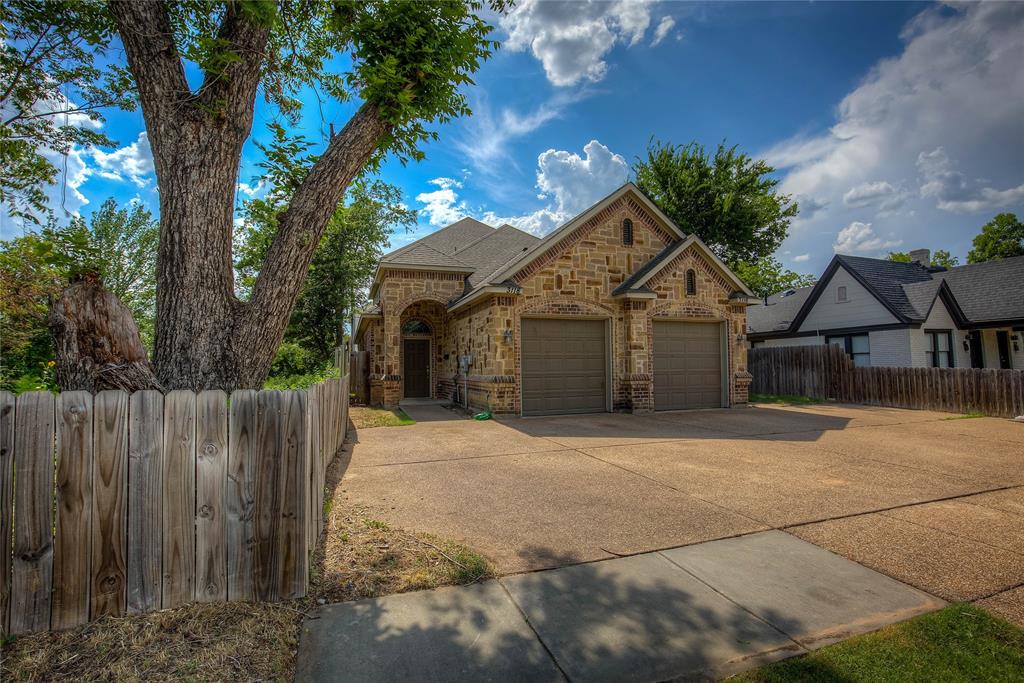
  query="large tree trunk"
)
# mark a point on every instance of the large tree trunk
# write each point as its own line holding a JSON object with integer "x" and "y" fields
{"x": 97, "y": 343}
{"x": 205, "y": 336}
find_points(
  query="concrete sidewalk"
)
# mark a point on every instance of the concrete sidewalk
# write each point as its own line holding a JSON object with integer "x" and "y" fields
{"x": 701, "y": 611}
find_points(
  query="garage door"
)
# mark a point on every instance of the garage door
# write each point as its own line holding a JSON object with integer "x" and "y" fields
{"x": 687, "y": 365}
{"x": 564, "y": 367}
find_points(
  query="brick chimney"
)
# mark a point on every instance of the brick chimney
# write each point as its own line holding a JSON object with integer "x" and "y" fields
{"x": 921, "y": 257}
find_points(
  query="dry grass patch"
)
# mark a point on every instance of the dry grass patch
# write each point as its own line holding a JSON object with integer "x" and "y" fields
{"x": 216, "y": 642}
{"x": 363, "y": 417}
{"x": 358, "y": 557}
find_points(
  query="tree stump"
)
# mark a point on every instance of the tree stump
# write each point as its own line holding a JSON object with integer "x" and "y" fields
{"x": 97, "y": 343}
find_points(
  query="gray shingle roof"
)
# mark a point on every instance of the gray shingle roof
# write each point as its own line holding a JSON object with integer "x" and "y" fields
{"x": 494, "y": 250}
{"x": 423, "y": 256}
{"x": 468, "y": 246}
{"x": 887, "y": 278}
{"x": 777, "y": 315}
{"x": 989, "y": 291}
{"x": 985, "y": 292}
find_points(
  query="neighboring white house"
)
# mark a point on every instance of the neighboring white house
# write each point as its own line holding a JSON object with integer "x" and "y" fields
{"x": 885, "y": 313}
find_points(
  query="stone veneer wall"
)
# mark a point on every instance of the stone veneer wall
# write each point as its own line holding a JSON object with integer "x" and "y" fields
{"x": 575, "y": 282}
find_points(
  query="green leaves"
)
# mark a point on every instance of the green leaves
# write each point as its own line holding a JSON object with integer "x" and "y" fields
{"x": 1001, "y": 237}
{"x": 55, "y": 80}
{"x": 767, "y": 276}
{"x": 727, "y": 198}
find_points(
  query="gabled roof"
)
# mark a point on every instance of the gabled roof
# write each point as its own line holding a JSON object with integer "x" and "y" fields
{"x": 510, "y": 267}
{"x": 975, "y": 294}
{"x": 636, "y": 281}
{"x": 989, "y": 291}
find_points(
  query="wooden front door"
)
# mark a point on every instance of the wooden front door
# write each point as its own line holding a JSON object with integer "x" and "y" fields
{"x": 416, "y": 372}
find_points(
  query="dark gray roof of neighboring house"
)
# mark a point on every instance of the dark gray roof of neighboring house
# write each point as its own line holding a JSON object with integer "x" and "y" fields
{"x": 886, "y": 279}
{"x": 777, "y": 315}
{"x": 980, "y": 293}
{"x": 988, "y": 291}
{"x": 494, "y": 250}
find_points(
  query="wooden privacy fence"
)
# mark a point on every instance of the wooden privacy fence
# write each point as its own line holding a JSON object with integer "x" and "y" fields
{"x": 125, "y": 503}
{"x": 826, "y": 372}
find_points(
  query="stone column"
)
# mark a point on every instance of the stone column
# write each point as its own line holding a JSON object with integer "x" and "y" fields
{"x": 637, "y": 385}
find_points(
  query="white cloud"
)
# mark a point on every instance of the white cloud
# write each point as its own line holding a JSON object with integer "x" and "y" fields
{"x": 134, "y": 162}
{"x": 571, "y": 39}
{"x": 664, "y": 26}
{"x": 252, "y": 190}
{"x": 577, "y": 182}
{"x": 879, "y": 193}
{"x": 488, "y": 133}
{"x": 802, "y": 258}
{"x": 442, "y": 207}
{"x": 958, "y": 83}
{"x": 569, "y": 182}
{"x": 953, "y": 192}
{"x": 860, "y": 238}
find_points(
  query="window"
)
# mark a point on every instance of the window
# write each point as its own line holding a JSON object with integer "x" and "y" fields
{"x": 627, "y": 232}
{"x": 939, "y": 348}
{"x": 841, "y": 294}
{"x": 691, "y": 282}
{"x": 415, "y": 327}
{"x": 856, "y": 346}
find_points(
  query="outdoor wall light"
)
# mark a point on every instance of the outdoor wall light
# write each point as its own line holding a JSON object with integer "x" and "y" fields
{"x": 507, "y": 334}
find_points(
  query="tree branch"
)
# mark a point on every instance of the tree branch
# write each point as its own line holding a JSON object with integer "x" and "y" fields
{"x": 145, "y": 30}
{"x": 302, "y": 225}
{"x": 235, "y": 85}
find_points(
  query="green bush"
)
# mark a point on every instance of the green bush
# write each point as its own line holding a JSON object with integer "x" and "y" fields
{"x": 292, "y": 359}
{"x": 300, "y": 381}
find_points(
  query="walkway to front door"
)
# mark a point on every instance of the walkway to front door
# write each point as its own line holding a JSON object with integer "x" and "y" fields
{"x": 416, "y": 372}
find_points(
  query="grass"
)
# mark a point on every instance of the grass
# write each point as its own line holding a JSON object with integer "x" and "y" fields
{"x": 359, "y": 556}
{"x": 785, "y": 399}
{"x": 965, "y": 416}
{"x": 959, "y": 643}
{"x": 364, "y": 418}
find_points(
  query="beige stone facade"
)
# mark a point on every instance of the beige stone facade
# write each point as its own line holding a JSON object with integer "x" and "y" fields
{"x": 576, "y": 275}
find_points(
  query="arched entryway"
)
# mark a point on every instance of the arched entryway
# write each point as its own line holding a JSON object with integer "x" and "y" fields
{"x": 417, "y": 351}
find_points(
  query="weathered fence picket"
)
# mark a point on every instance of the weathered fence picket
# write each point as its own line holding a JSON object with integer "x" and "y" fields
{"x": 825, "y": 372}
{"x": 119, "y": 503}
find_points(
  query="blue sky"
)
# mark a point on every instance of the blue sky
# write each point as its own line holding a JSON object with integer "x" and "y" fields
{"x": 895, "y": 125}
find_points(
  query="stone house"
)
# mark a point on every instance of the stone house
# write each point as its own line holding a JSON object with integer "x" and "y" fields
{"x": 618, "y": 309}
{"x": 891, "y": 314}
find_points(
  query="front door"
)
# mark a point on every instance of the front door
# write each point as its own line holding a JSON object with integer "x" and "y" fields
{"x": 977, "y": 355}
{"x": 1003, "y": 342}
{"x": 417, "y": 368}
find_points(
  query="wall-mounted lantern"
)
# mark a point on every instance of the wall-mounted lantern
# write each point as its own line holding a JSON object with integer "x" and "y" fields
{"x": 507, "y": 334}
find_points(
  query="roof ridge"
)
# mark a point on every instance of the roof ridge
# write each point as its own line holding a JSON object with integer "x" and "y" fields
{"x": 494, "y": 231}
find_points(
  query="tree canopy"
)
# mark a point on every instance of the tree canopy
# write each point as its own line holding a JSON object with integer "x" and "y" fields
{"x": 1001, "y": 237}
{"x": 941, "y": 257}
{"x": 767, "y": 276}
{"x": 196, "y": 68}
{"x": 727, "y": 198}
{"x": 55, "y": 82}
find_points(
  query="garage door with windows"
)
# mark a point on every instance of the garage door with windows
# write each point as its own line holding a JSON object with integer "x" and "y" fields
{"x": 687, "y": 365}
{"x": 564, "y": 366}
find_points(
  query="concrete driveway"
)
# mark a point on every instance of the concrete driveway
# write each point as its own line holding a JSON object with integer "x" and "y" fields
{"x": 865, "y": 482}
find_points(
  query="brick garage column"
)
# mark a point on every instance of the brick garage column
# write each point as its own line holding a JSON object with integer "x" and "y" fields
{"x": 742, "y": 378}
{"x": 636, "y": 387}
